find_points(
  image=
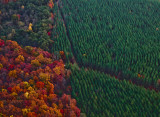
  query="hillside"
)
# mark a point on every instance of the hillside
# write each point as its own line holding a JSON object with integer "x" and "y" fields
{"x": 33, "y": 83}
{"x": 71, "y": 58}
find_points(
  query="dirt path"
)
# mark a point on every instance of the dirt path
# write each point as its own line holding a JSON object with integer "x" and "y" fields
{"x": 67, "y": 32}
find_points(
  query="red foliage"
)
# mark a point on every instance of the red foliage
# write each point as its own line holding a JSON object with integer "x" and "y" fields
{"x": 32, "y": 114}
{"x": 9, "y": 89}
{"x": 52, "y": 65}
{"x": 40, "y": 84}
{"x": 1, "y": 42}
{"x": 27, "y": 103}
{"x": 63, "y": 56}
{"x": 62, "y": 111}
{"x": 77, "y": 111}
{"x": 130, "y": 81}
{"x": 18, "y": 15}
{"x": 11, "y": 67}
{"x": 49, "y": 33}
{"x": 37, "y": 91}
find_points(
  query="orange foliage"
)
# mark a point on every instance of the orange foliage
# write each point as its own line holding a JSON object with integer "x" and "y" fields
{"x": 51, "y": 4}
{"x": 61, "y": 53}
{"x": 4, "y": 60}
{"x": 31, "y": 82}
{"x": 52, "y": 96}
{"x": 12, "y": 44}
{"x": 50, "y": 88}
{"x": 1, "y": 104}
{"x": 16, "y": 89}
{"x": 60, "y": 104}
{"x": 48, "y": 61}
{"x": 35, "y": 78}
{"x": 40, "y": 70}
{"x": 32, "y": 114}
{"x": 139, "y": 75}
{"x": 1, "y": 66}
{"x": 47, "y": 70}
{"x": 52, "y": 16}
{"x": 40, "y": 84}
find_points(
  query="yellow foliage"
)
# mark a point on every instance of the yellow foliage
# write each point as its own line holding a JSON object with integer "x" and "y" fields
{"x": 22, "y": 6}
{"x": 30, "y": 89}
{"x": 25, "y": 111}
{"x": 14, "y": 94}
{"x": 26, "y": 95}
{"x": 35, "y": 63}
{"x": 43, "y": 59}
{"x": 54, "y": 105}
{"x": 44, "y": 77}
{"x": 13, "y": 73}
{"x": 30, "y": 27}
{"x": 84, "y": 55}
{"x": 4, "y": 90}
{"x": 26, "y": 84}
{"x": 33, "y": 95}
{"x": 43, "y": 108}
{"x": 57, "y": 70}
{"x": 40, "y": 58}
{"x": 19, "y": 59}
{"x": 57, "y": 111}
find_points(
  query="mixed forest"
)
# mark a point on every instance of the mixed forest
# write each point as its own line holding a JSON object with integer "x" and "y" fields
{"x": 79, "y": 58}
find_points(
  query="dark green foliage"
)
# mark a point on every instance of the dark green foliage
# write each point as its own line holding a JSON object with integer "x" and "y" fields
{"x": 36, "y": 12}
{"x": 100, "y": 95}
{"x": 14, "y": 19}
{"x": 59, "y": 34}
{"x": 116, "y": 36}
